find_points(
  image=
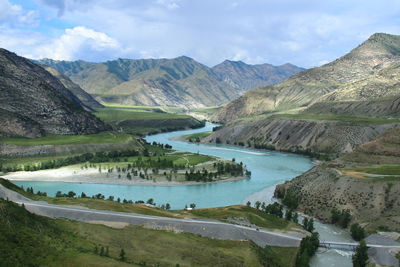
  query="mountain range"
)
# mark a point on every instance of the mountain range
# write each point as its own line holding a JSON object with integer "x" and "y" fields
{"x": 328, "y": 110}
{"x": 34, "y": 103}
{"x": 180, "y": 81}
{"x": 368, "y": 71}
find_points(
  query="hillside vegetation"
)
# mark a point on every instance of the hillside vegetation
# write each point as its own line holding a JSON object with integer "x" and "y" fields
{"x": 28, "y": 239}
{"x": 145, "y": 120}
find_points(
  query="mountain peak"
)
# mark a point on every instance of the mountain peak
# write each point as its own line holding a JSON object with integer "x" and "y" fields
{"x": 380, "y": 44}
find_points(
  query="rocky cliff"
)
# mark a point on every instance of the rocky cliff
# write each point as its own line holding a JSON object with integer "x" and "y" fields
{"x": 366, "y": 182}
{"x": 368, "y": 71}
{"x": 87, "y": 100}
{"x": 33, "y": 102}
{"x": 328, "y": 136}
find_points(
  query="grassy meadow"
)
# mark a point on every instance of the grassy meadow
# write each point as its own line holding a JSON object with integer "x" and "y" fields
{"x": 29, "y": 239}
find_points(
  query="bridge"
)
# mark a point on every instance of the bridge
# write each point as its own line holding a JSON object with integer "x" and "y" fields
{"x": 349, "y": 246}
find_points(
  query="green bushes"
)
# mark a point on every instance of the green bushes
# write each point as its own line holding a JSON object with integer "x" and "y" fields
{"x": 341, "y": 218}
{"x": 308, "y": 247}
{"x": 357, "y": 232}
{"x": 360, "y": 258}
{"x": 290, "y": 200}
{"x": 222, "y": 169}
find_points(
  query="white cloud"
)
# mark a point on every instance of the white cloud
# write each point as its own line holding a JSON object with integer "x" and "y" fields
{"x": 77, "y": 42}
{"x": 169, "y": 4}
{"x": 8, "y": 11}
{"x": 302, "y": 32}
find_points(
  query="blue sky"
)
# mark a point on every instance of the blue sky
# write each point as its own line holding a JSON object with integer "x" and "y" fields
{"x": 305, "y": 33}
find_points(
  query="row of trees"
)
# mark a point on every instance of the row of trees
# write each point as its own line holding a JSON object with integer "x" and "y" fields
{"x": 222, "y": 168}
{"x": 87, "y": 157}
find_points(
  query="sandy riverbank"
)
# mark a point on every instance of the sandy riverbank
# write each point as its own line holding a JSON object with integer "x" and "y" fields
{"x": 92, "y": 175}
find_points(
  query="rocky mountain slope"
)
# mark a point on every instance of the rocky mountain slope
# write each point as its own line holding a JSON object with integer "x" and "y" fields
{"x": 388, "y": 107}
{"x": 328, "y": 110}
{"x": 174, "y": 82}
{"x": 355, "y": 76}
{"x": 33, "y": 102}
{"x": 326, "y": 137}
{"x": 244, "y": 76}
{"x": 87, "y": 100}
{"x": 366, "y": 182}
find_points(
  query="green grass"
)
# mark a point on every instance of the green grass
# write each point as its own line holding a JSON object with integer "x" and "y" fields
{"x": 100, "y": 138}
{"x": 28, "y": 239}
{"x": 339, "y": 118}
{"x": 145, "y": 120}
{"x": 244, "y": 213}
{"x": 191, "y": 159}
{"x": 111, "y": 114}
{"x": 196, "y": 135}
{"x": 379, "y": 170}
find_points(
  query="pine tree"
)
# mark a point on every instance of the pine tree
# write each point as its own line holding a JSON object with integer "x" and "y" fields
{"x": 122, "y": 255}
{"x": 360, "y": 258}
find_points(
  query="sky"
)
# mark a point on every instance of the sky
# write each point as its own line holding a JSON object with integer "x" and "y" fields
{"x": 306, "y": 33}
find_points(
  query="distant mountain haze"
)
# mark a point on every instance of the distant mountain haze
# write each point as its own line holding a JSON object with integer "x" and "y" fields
{"x": 181, "y": 81}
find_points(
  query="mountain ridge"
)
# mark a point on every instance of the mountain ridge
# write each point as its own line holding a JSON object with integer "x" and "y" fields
{"x": 180, "y": 81}
{"x": 304, "y": 88}
{"x": 34, "y": 103}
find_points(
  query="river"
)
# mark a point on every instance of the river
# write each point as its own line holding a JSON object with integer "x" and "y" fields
{"x": 268, "y": 169}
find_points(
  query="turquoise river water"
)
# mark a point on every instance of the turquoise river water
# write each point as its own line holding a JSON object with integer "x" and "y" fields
{"x": 268, "y": 169}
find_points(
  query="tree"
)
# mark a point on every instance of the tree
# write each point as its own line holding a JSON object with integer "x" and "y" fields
{"x": 308, "y": 247}
{"x": 167, "y": 206}
{"x": 248, "y": 204}
{"x": 150, "y": 201}
{"x": 357, "y": 232}
{"x": 257, "y": 205}
{"x": 193, "y": 205}
{"x": 71, "y": 194}
{"x": 107, "y": 254}
{"x": 102, "y": 251}
{"x": 305, "y": 222}
{"x": 290, "y": 201}
{"x": 289, "y": 215}
{"x": 310, "y": 226}
{"x": 295, "y": 218}
{"x": 341, "y": 218}
{"x": 360, "y": 258}
{"x": 122, "y": 255}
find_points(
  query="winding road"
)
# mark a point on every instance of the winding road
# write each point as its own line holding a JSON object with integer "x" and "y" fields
{"x": 206, "y": 228}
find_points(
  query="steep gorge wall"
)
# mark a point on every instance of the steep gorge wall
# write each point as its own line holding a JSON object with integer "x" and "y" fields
{"x": 302, "y": 136}
{"x": 371, "y": 202}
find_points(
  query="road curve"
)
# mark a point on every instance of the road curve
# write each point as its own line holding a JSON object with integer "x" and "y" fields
{"x": 206, "y": 228}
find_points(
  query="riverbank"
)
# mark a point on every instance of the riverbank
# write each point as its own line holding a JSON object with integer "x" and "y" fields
{"x": 94, "y": 176}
